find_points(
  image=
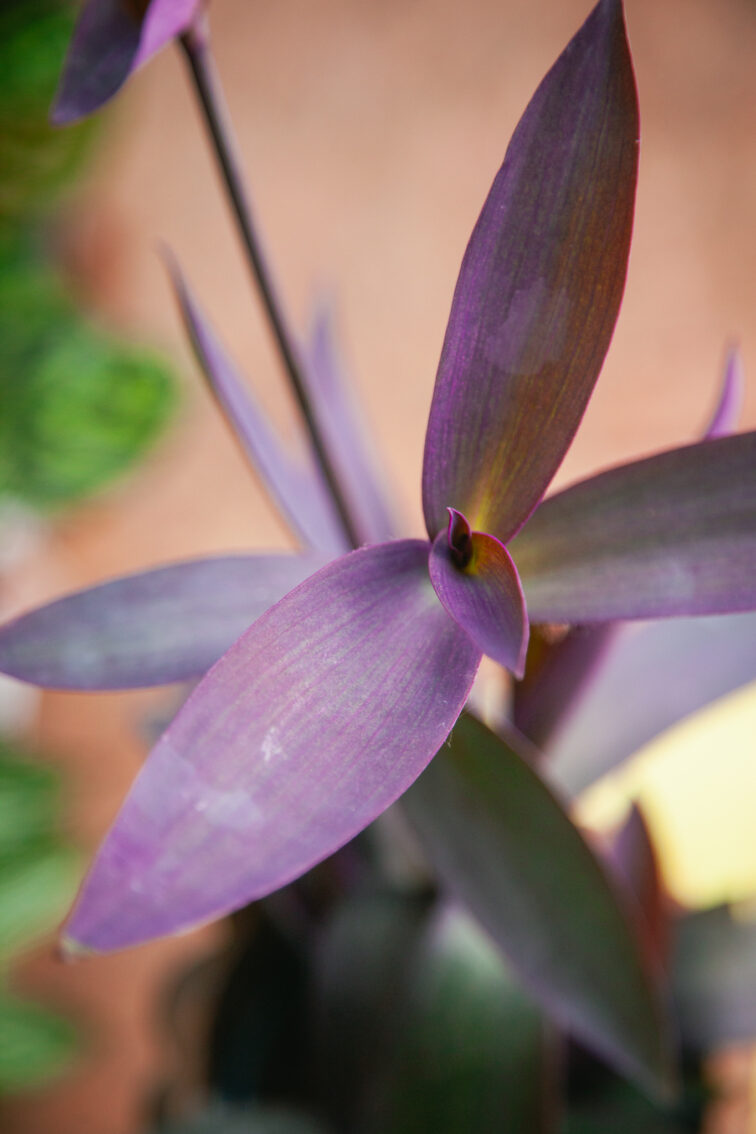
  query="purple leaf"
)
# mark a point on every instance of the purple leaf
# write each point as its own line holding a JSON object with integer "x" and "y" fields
{"x": 501, "y": 841}
{"x": 153, "y": 628}
{"x": 476, "y": 580}
{"x": 557, "y": 672}
{"x": 724, "y": 420}
{"x": 673, "y": 534}
{"x": 297, "y": 486}
{"x": 316, "y": 720}
{"x": 634, "y": 861}
{"x": 651, "y": 677}
{"x": 348, "y": 439}
{"x": 539, "y": 289}
{"x": 555, "y": 680}
{"x": 112, "y": 38}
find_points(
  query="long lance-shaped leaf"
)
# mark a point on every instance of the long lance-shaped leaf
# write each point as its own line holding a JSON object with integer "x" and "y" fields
{"x": 503, "y": 843}
{"x": 653, "y": 676}
{"x": 348, "y": 439}
{"x": 715, "y": 979}
{"x": 539, "y": 289}
{"x": 673, "y": 534}
{"x": 111, "y": 39}
{"x": 557, "y": 673}
{"x": 297, "y": 487}
{"x": 322, "y": 713}
{"x": 151, "y": 628}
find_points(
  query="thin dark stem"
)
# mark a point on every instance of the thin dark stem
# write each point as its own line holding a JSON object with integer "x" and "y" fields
{"x": 196, "y": 46}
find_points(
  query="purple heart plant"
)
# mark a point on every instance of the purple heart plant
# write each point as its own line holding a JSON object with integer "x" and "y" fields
{"x": 321, "y": 705}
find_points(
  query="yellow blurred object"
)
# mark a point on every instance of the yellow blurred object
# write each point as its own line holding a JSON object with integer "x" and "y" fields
{"x": 696, "y": 785}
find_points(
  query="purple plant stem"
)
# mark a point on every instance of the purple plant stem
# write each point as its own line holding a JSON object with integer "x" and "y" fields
{"x": 196, "y": 46}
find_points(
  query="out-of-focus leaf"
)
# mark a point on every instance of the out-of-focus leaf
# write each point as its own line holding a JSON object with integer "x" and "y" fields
{"x": 35, "y": 311}
{"x": 311, "y": 725}
{"x": 38, "y": 874}
{"x": 556, "y": 674}
{"x": 651, "y": 677}
{"x": 37, "y": 161}
{"x": 81, "y": 417}
{"x": 38, "y": 877}
{"x": 37, "y": 884}
{"x": 539, "y": 289}
{"x": 364, "y": 964}
{"x": 724, "y": 419}
{"x": 471, "y": 1050}
{"x": 219, "y": 1119}
{"x": 35, "y": 1045}
{"x": 484, "y": 596}
{"x": 501, "y": 841}
{"x": 673, "y": 534}
{"x": 152, "y": 628}
{"x": 112, "y": 38}
{"x": 297, "y": 486}
{"x": 257, "y": 1045}
{"x": 714, "y": 974}
{"x": 634, "y": 859}
{"x": 420, "y": 1027}
{"x": 29, "y": 800}
{"x": 616, "y": 1108}
{"x": 76, "y": 409}
{"x": 348, "y": 437}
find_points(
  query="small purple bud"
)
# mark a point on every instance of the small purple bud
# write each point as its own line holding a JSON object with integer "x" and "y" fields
{"x": 459, "y": 537}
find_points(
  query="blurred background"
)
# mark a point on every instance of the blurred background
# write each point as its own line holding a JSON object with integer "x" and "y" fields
{"x": 370, "y": 132}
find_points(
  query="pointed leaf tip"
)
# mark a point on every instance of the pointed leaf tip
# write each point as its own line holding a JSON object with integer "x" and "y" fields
{"x": 726, "y": 413}
{"x": 112, "y": 38}
{"x": 539, "y": 289}
{"x": 69, "y": 951}
{"x": 314, "y": 722}
{"x": 297, "y": 486}
{"x": 633, "y": 857}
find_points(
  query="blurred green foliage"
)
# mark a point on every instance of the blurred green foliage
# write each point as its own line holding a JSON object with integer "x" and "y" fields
{"x": 473, "y": 1052}
{"x": 37, "y": 161}
{"x": 38, "y": 877}
{"x": 77, "y": 408}
{"x": 34, "y": 1044}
